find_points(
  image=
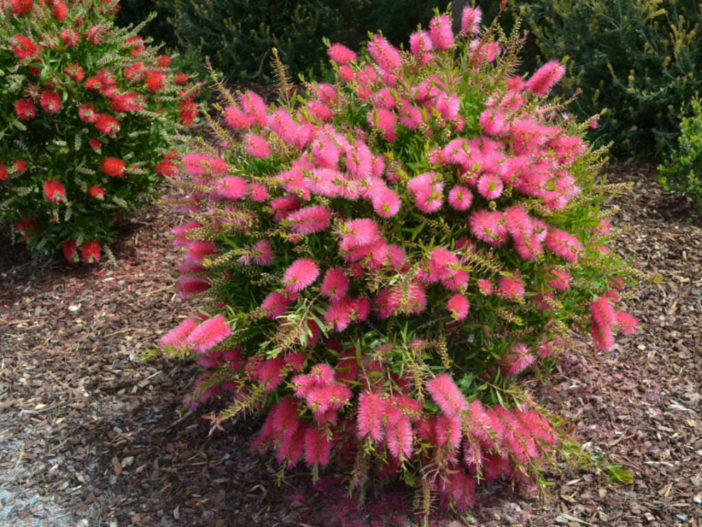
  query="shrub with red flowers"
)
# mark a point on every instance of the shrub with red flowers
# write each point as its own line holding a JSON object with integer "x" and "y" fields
{"x": 90, "y": 116}
{"x": 387, "y": 257}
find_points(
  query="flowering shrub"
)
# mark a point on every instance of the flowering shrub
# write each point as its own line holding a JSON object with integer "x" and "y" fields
{"x": 91, "y": 113}
{"x": 682, "y": 169}
{"x": 387, "y": 255}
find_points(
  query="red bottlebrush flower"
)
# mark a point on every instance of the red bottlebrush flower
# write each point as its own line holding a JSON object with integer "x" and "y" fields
{"x": 76, "y": 72}
{"x": 59, "y": 11}
{"x": 164, "y": 61}
{"x": 24, "y": 47}
{"x": 301, "y": 274}
{"x": 137, "y": 45}
{"x": 50, "y": 101}
{"x": 113, "y": 166}
{"x": 127, "y": 102}
{"x": 25, "y": 109}
{"x": 167, "y": 168}
{"x": 19, "y": 167}
{"x": 91, "y": 251}
{"x": 70, "y": 37}
{"x": 107, "y": 124}
{"x": 447, "y": 395}
{"x": 97, "y": 192}
{"x": 182, "y": 79}
{"x": 94, "y": 84}
{"x": 4, "y": 173}
{"x": 372, "y": 409}
{"x": 70, "y": 251}
{"x": 208, "y": 334}
{"x": 156, "y": 81}
{"x": 136, "y": 72}
{"x": 88, "y": 113}
{"x": 95, "y": 145}
{"x": 20, "y": 7}
{"x": 188, "y": 112}
{"x": 54, "y": 190}
{"x": 27, "y": 228}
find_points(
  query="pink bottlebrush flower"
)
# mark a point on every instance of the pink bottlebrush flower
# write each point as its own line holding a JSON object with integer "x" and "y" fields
{"x": 300, "y": 275}
{"x": 448, "y": 431}
{"x": 176, "y": 337}
{"x": 196, "y": 250}
{"x": 470, "y": 20}
{"x": 208, "y": 334}
{"x": 263, "y": 253}
{"x": 284, "y": 206}
{"x": 545, "y": 77}
{"x": 460, "y": 198}
{"x": 54, "y": 190}
{"x": 447, "y": 395}
{"x": 458, "y": 306}
{"x": 603, "y": 314}
{"x": 346, "y": 73}
{"x": 255, "y": 107}
{"x": 320, "y": 111}
{"x": 189, "y": 286}
{"x": 496, "y": 467}
{"x": 461, "y": 488}
{"x": 282, "y": 123}
{"x": 200, "y": 164}
{"x": 428, "y": 191}
{"x": 284, "y": 415}
{"x": 564, "y": 245}
{"x": 420, "y": 44}
{"x": 270, "y": 373}
{"x": 335, "y": 284}
{"x": 385, "y": 121}
{"x": 455, "y": 279}
{"x": 518, "y": 223}
{"x": 292, "y": 446}
{"x": 275, "y": 304}
{"x": 257, "y": 146}
{"x": 440, "y": 31}
{"x": 485, "y": 287}
{"x": 385, "y": 54}
{"x": 537, "y": 427}
{"x": 493, "y": 122}
{"x": 603, "y": 336}
{"x": 483, "y": 426}
{"x": 398, "y": 434}
{"x": 627, "y": 323}
{"x": 385, "y": 98}
{"x": 489, "y": 226}
{"x": 359, "y": 233}
{"x": 490, "y": 186}
{"x": 518, "y": 441}
{"x": 511, "y": 288}
{"x": 259, "y": 193}
{"x": 516, "y": 360}
{"x": 341, "y": 54}
{"x": 236, "y": 118}
{"x": 325, "y": 152}
{"x": 359, "y": 160}
{"x": 394, "y": 300}
{"x": 372, "y": 409}
{"x": 338, "y": 315}
{"x": 440, "y": 260}
{"x": 386, "y": 202}
{"x": 231, "y": 188}
{"x": 449, "y": 106}
{"x": 317, "y": 447}
{"x": 309, "y": 220}
{"x": 562, "y": 279}
{"x": 326, "y": 93}
{"x": 410, "y": 116}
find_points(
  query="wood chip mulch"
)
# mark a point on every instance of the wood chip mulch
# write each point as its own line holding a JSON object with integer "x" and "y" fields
{"x": 92, "y": 435}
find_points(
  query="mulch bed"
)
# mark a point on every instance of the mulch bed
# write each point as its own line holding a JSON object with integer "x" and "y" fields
{"x": 90, "y": 434}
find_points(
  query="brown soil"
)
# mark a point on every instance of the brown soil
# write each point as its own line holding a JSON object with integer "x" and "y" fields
{"x": 92, "y": 435}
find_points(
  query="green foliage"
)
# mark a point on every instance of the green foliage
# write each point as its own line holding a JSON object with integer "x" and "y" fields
{"x": 639, "y": 59}
{"x": 89, "y": 119}
{"x": 238, "y": 35}
{"x": 682, "y": 169}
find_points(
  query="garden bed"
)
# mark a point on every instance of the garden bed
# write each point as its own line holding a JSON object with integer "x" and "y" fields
{"x": 90, "y": 433}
